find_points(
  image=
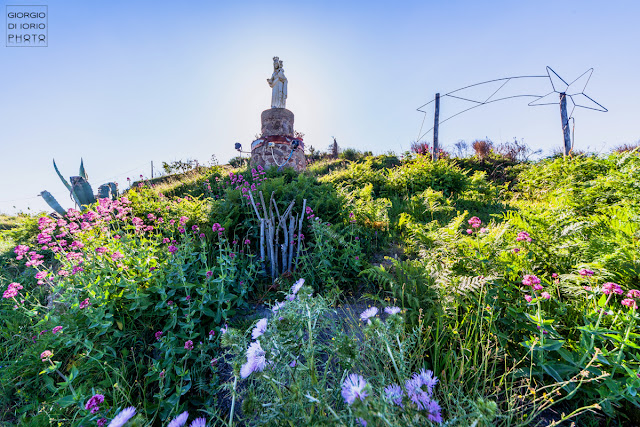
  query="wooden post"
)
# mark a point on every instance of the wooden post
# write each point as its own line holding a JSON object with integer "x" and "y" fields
{"x": 151, "y": 169}
{"x": 566, "y": 132}
{"x": 436, "y": 122}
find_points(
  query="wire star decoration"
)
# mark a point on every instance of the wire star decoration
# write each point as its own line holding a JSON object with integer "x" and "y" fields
{"x": 574, "y": 92}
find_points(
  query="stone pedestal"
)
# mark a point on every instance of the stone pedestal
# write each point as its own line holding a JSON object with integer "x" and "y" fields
{"x": 277, "y": 145}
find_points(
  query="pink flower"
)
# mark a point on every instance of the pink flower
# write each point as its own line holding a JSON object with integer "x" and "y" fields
{"x": 515, "y": 250}
{"x": 586, "y": 273}
{"x": 554, "y": 275}
{"x": 523, "y": 236}
{"x": 183, "y": 220}
{"x": 12, "y": 290}
{"x": 116, "y": 256}
{"x": 94, "y": 403}
{"x": 158, "y": 335}
{"x": 537, "y": 287}
{"x": 528, "y": 298}
{"x": 212, "y": 333}
{"x": 46, "y": 355}
{"x": 610, "y": 287}
{"x": 209, "y": 273}
{"x": 41, "y": 274}
{"x": 101, "y": 249}
{"x": 629, "y": 303}
{"x": 545, "y": 295}
{"x": 63, "y": 273}
{"x": 56, "y": 329}
{"x": 475, "y": 222}
{"x": 172, "y": 249}
{"x": 181, "y": 230}
{"x": 84, "y": 304}
{"x": 247, "y": 241}
{"x": 469, "y": 231}
{"x": 530, "y": 280}
{"x": 633, "y": 293}
{"x": 188, "y": 345}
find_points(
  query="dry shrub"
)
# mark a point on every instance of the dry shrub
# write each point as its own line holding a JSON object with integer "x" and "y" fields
{"x": 627, "y": 147}
{"x": 483, "y": 148}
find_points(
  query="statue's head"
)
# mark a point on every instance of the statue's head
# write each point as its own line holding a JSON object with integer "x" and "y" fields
{"x": 279, "y": 64}
{"x": 276, "y": 61}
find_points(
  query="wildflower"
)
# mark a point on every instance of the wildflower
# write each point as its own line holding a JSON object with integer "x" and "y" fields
{"x": 633, "y": 293}
{"x": 170, "y": 303}
{"x": 530, "y": 280}
{"x": 554, "y": 275}
{"x": 116, "y": 256}
{"x": 354, "y": 387}
{"x": 523, "y": 236}
{"x": 20, "y": 251}
{"x": 172, "y": 249}
{"x": 183, "y": 220}
{"x": 212, "y": 333}
{"x": 11, "y": 291}
{"x": 181, "y": 230}
{"x": 224, "y": 329}
{"x": 46, "y": 355}
{"x": 419, "y": 395}
{"x": 158, "y": 335}
{"x": 41, "y": 274}
{"x": 586, "y": 273}
{"x": 247, "y": 241}
{"x": 434, "y": 413}
{"x": 357, "y": 258}
{"x": 232, "y": 255}
{"x": 194, "y": 228}
{"x": 537, "y": 287}
{"x": 394, "y": 394}
{"x": 277, "y": 306}
{"x": 361, "y": 421}
{"x": 122, "y": 417}
{"x": 101, "y": 422}
{"x": 545, "y": 295}
{"x": 392, "y": 310}
{"x": 629, "y": 303}
{"x": 296, "y": 286}
{"x": 209, "y": 273}
{"x": 188, "y": 345}
{"x": 469, "y": 231}
{"x": 475, "y": 222}
{"x": 587, "y": 288}
{"x": 199, "y": 422}
{"x": 85, "y": 304}
{"x": 260, "y": 328}
{"x": 528, "y": 298}
{"x": 201, "y": 235}
{"x": 56, "y": 329}
{"x": 101, "y": 249}
{"x": 610, "y": 287}
{"x": 256, "y": 360}
{"x": 368, "y": 313}
{"x": 94, "y": 403}
{"x": 180, "y": 420}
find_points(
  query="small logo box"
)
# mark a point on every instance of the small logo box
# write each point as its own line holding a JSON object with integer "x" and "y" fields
{"x": 27, "y": 26}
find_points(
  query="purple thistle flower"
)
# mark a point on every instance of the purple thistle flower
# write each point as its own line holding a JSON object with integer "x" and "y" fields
{"x": 180, "y": 420}
{"x": 260, "y": 328}
{"x": 256, "y": 360}
{"x": 362, "y": 422}
{"x": 296, "y": 286}
{"x": 419, "y": 395}
{"x": 199, "y": 422}
{"x": 122, "y": 417}
{"x": 368, "y": 313}
{"x": 433, "y": 408}
{"x": 354, "y": 387}
{"x": 394, "y": 394}
{"x": 277, "y": 306}
{"x": 392, "y": 310}
{"x": 94, "y": 402}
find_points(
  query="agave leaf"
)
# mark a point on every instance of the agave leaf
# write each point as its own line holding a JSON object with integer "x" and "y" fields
{"x": 83, "y": 191}
{"x": 83, "y": 173}
{"x": 104, "y": 191}
{"x": 52, "y": 202}
{"x": 66, "y": 184}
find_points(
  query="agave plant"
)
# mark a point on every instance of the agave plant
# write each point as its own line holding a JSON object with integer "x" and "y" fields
{"x": 80, "y": 190}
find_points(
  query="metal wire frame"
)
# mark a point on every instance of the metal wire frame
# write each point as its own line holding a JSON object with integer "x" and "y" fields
{"x": 506, "y": 80}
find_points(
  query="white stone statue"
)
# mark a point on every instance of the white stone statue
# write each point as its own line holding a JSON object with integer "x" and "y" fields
{"x": 278, "y": 83}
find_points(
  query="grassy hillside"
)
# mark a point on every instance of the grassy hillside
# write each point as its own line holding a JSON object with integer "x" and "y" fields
{"x": 458, "y": 292}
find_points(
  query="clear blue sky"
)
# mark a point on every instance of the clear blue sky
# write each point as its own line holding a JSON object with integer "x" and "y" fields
{"x": 124, "y": 83}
